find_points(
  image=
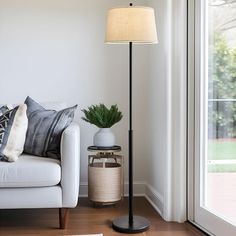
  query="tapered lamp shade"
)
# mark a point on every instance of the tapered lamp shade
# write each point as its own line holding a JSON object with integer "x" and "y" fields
{"x": 131, "y": 24}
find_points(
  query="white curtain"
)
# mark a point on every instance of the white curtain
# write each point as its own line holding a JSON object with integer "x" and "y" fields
{"x": 175, "y": 186}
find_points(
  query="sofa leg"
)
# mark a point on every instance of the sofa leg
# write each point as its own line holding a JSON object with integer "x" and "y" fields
{"x": 63, "y": 216}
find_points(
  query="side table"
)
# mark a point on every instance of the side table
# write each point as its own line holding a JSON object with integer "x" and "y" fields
{"x": 105, "y": 175}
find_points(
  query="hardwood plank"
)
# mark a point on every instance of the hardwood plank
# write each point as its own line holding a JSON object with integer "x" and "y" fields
{"x": 85, "y": 219}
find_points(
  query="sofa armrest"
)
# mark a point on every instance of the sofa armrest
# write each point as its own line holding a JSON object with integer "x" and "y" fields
{"x": 70, "y": 165}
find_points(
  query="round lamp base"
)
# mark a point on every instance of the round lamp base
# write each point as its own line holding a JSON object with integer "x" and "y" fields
{"x": 121, "y": 224}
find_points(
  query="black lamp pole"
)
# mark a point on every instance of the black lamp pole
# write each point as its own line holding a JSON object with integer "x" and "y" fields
{"x": 131, "y": 223}
{"x": 130, "y": 139}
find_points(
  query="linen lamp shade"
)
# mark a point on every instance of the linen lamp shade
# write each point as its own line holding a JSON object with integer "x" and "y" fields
{"x": 131, "y": 24}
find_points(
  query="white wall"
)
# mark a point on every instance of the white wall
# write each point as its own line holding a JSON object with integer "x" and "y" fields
{"x": 157, "y": 95}
{"x": 54, "y": 50}
{"x": 166, "y": 180}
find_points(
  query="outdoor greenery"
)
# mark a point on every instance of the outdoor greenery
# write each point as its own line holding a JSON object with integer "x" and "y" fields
{"x": 222, "y": 85}
{"x": 101, "y": 116}
{"x": 223, "y": 168}
{"x": 221, "y": 150}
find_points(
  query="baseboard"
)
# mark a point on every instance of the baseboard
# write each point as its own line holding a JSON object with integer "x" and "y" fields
{"x": 140, "y": 188}
{"x": 83, "y": 189}
{"x": 155, "y": 199}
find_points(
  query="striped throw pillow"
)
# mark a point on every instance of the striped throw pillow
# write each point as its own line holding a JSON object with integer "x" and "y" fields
{"x": 45, "y": 129}
{"x": 5, "y": 108}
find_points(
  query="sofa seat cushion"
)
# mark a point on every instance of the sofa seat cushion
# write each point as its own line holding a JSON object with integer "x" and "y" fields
{"x": 30, "y": 171}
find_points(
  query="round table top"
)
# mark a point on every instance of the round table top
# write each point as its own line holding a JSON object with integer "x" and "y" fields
{"x": 115, "y": 148}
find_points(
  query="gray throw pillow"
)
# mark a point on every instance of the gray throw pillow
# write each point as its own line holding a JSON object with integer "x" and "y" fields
{"x": 45, "y": 129}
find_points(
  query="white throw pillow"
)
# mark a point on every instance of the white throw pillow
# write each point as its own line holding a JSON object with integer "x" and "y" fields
{"x": 13, "y": 128}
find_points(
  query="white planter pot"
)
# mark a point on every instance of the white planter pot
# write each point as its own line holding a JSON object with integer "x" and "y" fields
{"x": 104, "y": 138}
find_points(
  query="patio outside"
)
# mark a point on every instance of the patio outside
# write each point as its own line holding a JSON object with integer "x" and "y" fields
{"x": 220, "y": 182}
{"x": 221, "y": 178}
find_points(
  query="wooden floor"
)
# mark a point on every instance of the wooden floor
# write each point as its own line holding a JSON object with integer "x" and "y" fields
{"x": 86, "y": 219}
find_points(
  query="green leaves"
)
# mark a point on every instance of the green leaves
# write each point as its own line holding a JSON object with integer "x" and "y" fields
{"x": 101, "y": 116}
{"x": 222, "y": 85}
{"x": 222, "y": 68}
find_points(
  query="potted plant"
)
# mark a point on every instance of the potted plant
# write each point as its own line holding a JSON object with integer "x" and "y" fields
{"x": 104, "y": 118}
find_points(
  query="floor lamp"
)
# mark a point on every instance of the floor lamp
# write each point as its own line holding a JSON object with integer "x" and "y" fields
{"x": 133, "y": 24}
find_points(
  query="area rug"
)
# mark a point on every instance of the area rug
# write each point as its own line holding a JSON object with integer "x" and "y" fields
{"x": 85, "y": 235}
{"x": 89, "y": 235}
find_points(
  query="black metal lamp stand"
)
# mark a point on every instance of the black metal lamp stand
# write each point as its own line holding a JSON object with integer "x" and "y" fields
{"x": 130, "y": 223}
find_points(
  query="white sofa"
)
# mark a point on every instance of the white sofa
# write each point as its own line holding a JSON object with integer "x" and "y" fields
{"x": 37, "y": 182}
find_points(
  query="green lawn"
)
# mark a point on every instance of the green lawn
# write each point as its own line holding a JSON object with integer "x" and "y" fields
{"x": 222, "y": 168}
{"x": 222, "y": 150}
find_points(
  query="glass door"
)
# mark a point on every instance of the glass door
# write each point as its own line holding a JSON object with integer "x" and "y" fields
{"x": 214, "y": 193}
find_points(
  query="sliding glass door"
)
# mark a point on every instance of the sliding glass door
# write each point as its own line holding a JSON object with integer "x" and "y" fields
{"x": 213, "y": 197}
